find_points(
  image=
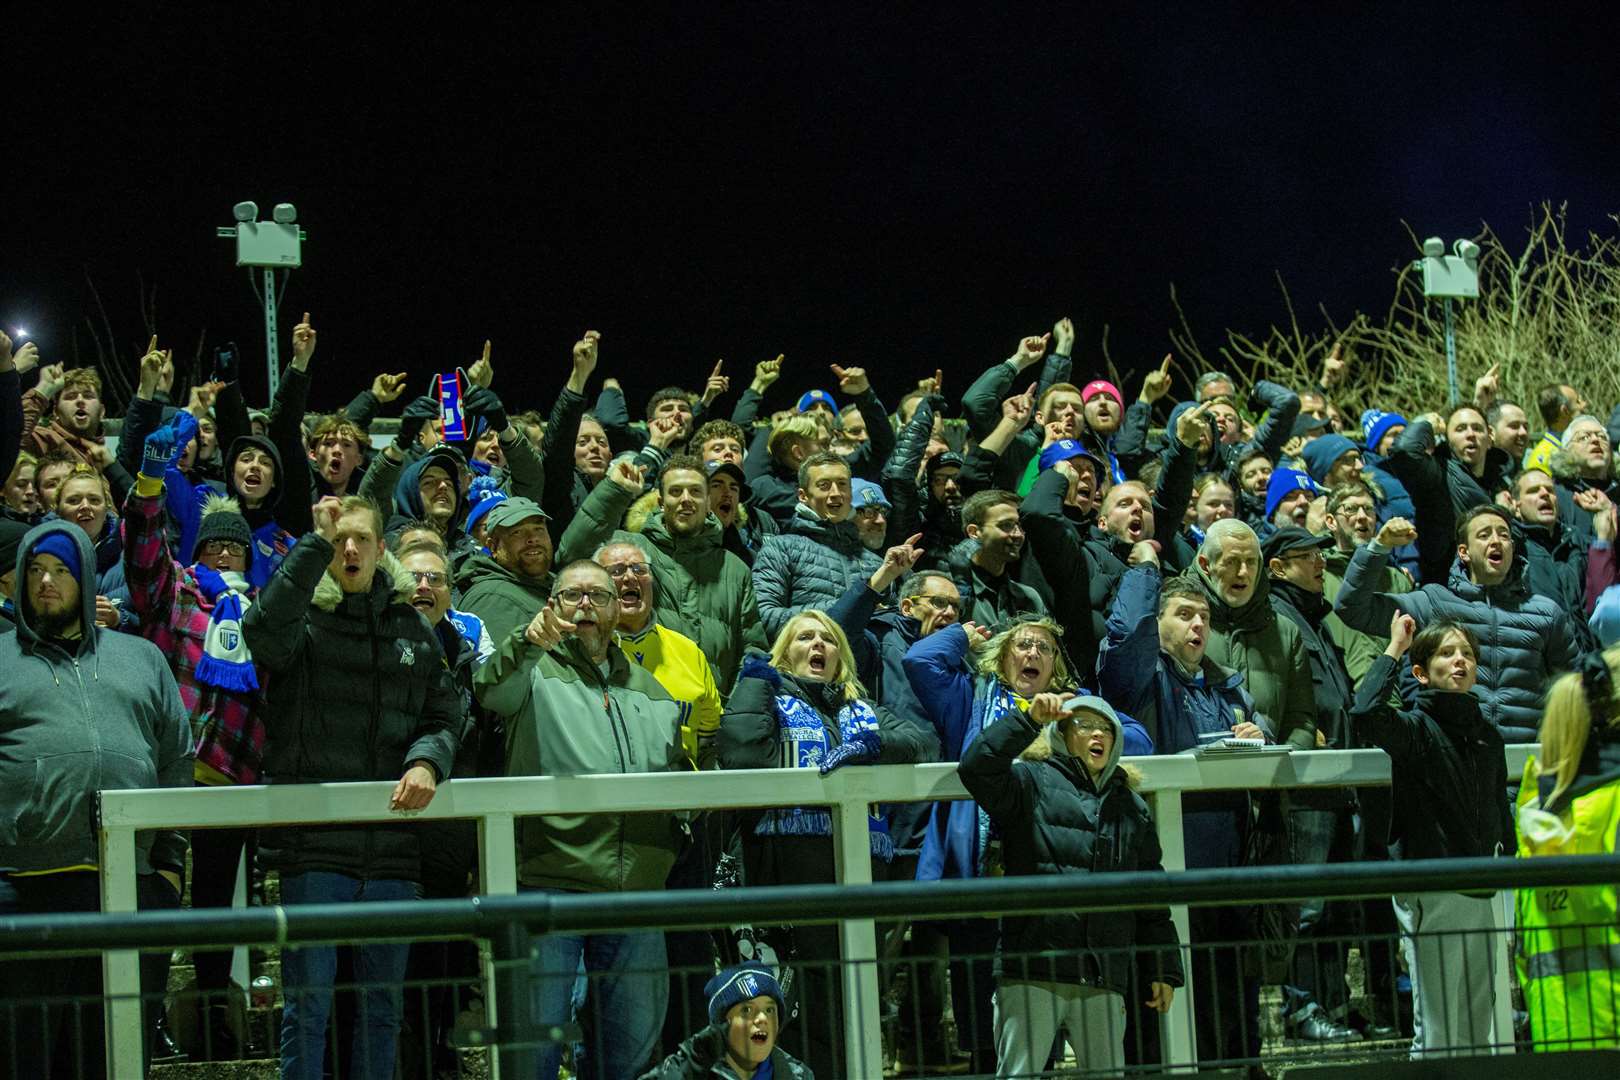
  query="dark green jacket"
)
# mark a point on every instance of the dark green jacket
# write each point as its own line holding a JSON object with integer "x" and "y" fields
{"x": 504, "y": 599}
{"x": 1270, "y": 654}
{"x": 704, "y": 591}
{"x": 565, "y": 718}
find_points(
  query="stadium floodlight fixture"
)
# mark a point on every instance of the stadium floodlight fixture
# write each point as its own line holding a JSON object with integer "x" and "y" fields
{"x": 1450, "y": 277}
{"x": 20, "y": 334}
{"x": 268, "y": 246}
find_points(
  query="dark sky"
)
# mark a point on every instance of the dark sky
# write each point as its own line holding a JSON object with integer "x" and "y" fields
{"x": 905, "y": 191}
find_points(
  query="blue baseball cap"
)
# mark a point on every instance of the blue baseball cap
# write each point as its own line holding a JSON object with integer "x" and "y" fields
{"x": 1063, "y": 450}
{"x": 812, "y": 398}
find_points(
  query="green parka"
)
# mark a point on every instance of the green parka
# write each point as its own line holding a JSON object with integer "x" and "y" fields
{"x": 1270, "y": 653}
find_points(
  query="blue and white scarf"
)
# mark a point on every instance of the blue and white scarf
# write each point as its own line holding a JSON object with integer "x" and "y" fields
{"x": 226, "y": 662}
{"x": 805, "y": 744}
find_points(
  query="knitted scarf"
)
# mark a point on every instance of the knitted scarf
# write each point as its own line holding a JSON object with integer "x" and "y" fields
{"x": 805, "y": 742}
{"x": 226, "y": 662}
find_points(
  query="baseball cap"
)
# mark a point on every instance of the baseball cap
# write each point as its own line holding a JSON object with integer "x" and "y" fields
{"x": 514, "y": 511}
{"x": 1292, "y": 538}
{"x": 1063, "y": 450}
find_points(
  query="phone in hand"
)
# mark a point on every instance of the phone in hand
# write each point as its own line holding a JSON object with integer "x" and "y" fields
{"x": 225, "y": 361}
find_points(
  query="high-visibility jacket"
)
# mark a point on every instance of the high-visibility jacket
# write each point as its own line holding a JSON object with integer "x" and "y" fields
{"x": 1569, "y": 940}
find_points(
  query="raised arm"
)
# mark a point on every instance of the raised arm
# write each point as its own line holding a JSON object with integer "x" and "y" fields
{"x": 1372, "y": 718}
{"x": 274, "y": 625}
{"x": 982, "y": 401}
{"x": 1360, "y": 603}
{"x": 1282, "y": 409}
{"x": 1129, "y": 660}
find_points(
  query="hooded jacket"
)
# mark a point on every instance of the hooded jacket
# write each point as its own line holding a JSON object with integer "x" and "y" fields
{"x": 809, "y": 565}
{"x": 503, "y": 598}
{"x": 1269, "y": 652}
{"x": 407, "y": 500}
{"x": 703, "y": 590}
{"x": 272, "y": 537}
{"x": 1056, "y": 817}
{"x": 1448, "y": 774}
{"x": 1524, "y": 640}
{"x": 565, "y": 717}
{"x": 961, "y": 704}
{"x": 98, "y": 714}
{"x": 358, "y": 690}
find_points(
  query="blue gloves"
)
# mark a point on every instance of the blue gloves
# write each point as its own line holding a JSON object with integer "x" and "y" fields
{"x": 861, "y": 749}
{"x": 166, "y": 445}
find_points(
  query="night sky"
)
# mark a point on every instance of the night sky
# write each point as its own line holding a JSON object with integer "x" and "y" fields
{"x": 900, "y": 192}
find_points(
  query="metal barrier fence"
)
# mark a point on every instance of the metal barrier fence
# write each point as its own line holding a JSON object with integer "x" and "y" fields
{"x": 495, "y": 804}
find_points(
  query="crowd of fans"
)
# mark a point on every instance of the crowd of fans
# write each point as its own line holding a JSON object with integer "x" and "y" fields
{"x": 805, "y": 582}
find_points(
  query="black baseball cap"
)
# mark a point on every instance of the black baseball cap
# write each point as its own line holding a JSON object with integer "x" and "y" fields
{"x": 1291, "y": 539}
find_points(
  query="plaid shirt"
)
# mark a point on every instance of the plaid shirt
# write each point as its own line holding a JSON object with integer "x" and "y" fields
{"x": 174, "y": 611}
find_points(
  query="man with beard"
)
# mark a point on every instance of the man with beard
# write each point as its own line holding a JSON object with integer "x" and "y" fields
{"x": 704, "y": 591}
{"x": 1525, "y": 639}
{"x": 509, "y": 586}
{"x": 575, "y": 705}
{"x": 1104, "y": 411}
{"x": 69, "y": 404}
{"x": 1289, "y": 494}
{"x": 992, "y": 595}
{"x": 819, "y": 554}
{"x": 872, "y": 510}
{"x": 69, "y": 735}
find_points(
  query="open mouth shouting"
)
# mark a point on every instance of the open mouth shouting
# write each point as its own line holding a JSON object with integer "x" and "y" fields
{"x": 1133, "y": 528}
{"x": 1495, "y": 556}
{"x": 630, "y": 595}
{"x": 254, "y": 482}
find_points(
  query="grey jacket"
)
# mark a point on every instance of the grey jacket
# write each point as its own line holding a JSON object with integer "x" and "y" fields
{"x": 104, "y": 717}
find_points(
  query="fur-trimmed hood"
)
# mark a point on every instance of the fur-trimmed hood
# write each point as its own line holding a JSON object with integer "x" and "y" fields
{"x": 1049, "y": 744}
{"x": 391, "y": 576}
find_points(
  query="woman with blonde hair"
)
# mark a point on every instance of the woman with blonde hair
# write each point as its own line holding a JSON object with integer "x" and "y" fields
{"x": 803, "y": 707}
{"x": 1569, "y": 804}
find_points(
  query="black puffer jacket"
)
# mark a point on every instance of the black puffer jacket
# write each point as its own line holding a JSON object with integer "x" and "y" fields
{"x": 1524, "y": 640}
{"x": 358, "y": 689}
{"x": 1448, "y": 772}
{"x": 1055, "y": 819}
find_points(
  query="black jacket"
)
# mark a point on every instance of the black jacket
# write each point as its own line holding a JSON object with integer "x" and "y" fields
{"x": 1055, "y": 819}
{"x": 358, "y": 688}
{"x": 1448, "y": 774}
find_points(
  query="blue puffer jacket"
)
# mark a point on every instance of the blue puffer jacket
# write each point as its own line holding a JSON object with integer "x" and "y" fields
{"x": 1524, "y": 640}
{"x": 960, "y": 704}
{"x": 808, "y": 565}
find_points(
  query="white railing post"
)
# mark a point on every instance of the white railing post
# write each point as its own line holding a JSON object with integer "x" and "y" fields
{"x": 857, "y": 943}
{"x": 1177, "y": 1035}
{"x": 121, "y": 969}
{"x": 1502, "y": 920}
{"x": 497, "y": 874}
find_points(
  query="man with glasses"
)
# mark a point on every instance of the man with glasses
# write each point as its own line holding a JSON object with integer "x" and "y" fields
{"x": 1352, "y": 520}
{"x": 704, "y": 591}
{"x": 1586, "y": 485}
{"x": 576, "y": 705}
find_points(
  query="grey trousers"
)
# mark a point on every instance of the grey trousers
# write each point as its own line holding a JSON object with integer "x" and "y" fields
{"x": 1446, "y": 939}
{"x": 1029, "y": 1016}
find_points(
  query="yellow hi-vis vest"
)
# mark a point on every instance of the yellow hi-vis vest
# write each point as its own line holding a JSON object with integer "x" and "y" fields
{"x": 1568, "y": 952}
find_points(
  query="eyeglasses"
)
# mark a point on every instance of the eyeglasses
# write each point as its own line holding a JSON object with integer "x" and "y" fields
{"x": 224, "y": 547}
{"x": 938, "y": 603}
{"x": 598, "y": 597}
{"x": 1037, "y": 645}
{"x": 1590, "y": 435}
{"x": 618, "y": 570}
{"x": 1310, "y": 555}
{"x": 434, "y": 578}
{"x": 870, "y": 512}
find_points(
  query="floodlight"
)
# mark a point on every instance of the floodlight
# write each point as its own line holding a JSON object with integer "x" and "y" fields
{"x": 20, "y": 334}
{"x": 285, "y": 213}
{"x": 247, "y": 210}
{"x": 1434, "y": 247}
{"x": 1467, "y": 250}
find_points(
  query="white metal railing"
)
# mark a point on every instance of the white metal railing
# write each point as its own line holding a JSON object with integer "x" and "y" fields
{"x": 496, "y": 803}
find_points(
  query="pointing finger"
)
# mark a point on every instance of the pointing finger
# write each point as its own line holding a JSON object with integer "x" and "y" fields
{"x": 717, "y": 366}
{"x": 151, "y": 346}
{"x": 1164, "y": 368}
{"x": 306, "y": 318}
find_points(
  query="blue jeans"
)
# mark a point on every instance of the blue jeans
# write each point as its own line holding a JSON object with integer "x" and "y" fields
{"x": 627, "y": 996}
{"x": 307, "y": 974}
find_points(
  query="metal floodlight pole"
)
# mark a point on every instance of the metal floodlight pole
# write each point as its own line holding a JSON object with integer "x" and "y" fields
{"x": 270, "y": 245}
{"x": 1450, "y": 277}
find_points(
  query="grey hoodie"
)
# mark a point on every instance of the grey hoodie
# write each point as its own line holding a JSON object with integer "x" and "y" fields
{"x": 105, "y": 717}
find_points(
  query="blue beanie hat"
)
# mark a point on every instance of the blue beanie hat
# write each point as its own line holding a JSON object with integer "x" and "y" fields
{"x": 864, "y": 493}
{"x": 1321, "y": 453}
{"x": 812, "y": 398}
{"x": 62, "y": 546}
{"x": 1284, "y": 481}
{"x": 1375, "y": 425}
{"x": 740, "y": 983}
{"x": 484, "y": 496}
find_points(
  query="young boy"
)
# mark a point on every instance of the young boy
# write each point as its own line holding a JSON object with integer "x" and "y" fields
{"x": 1449, "y": 786}
{"x": 1052, "y": 782}
{"x": 746, "y": 1013}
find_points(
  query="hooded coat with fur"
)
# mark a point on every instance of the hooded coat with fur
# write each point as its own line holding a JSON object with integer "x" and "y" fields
{"x": 359, "y": 689}
{"x": 1056, "y": 817}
